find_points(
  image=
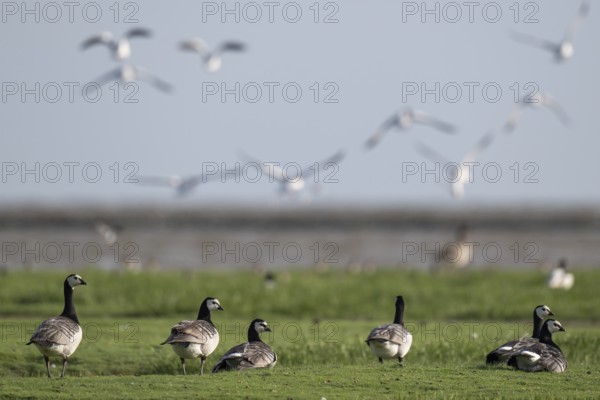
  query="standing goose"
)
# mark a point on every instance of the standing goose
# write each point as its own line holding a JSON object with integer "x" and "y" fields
{"x": 543, "y": 355}
{"x": 504, "y": 352}
{"x": 391, "y": 340}
{"x": 252, "y": 354}
{"x": 199, "y": 338}
{"x": 60, "y": 336}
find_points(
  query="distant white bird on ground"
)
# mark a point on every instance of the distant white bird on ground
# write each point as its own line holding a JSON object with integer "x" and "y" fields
{"x": 456, "y": 254}
{"x": 121, "y": 48}
{"x": 291, "y": 180}
{"x": 405, "y": 119}
{"x": 564, "y": 49}
{"x": 183, "y": 185}
{"x": 459, "y": 174}
{"x": 212, "y": 60}
{"x": 559, "y": 278}
{"x": 537, "y": 100}
{"x": 128, "y": 73}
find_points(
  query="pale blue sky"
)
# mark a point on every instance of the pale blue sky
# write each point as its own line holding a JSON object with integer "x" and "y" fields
{"x": 368, "y": 55}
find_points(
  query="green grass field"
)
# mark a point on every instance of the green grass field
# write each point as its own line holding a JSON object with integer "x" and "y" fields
{"x": 319, "y": 320}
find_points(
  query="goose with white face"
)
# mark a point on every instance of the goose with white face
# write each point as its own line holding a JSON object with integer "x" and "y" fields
{"x": 198, "y": 338}
{"x": 543, "y": 355}
{"x": 60, "y": 336}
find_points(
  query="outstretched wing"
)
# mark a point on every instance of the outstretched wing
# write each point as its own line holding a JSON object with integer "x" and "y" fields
{"x": 376, "y": 136}
{"x": 102, "y": 38}
{"x": 328, "y": 162}
{"x": 138, "y": 32}
{"x": 426, "y": 119}
{"x": 576, "y": 22}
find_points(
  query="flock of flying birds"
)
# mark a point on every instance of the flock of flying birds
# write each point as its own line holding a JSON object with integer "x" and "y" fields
{"x": 402, "y": 120}
{"x": 191, "y": 339}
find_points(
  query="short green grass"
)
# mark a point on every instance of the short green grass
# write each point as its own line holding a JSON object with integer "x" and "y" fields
{"x": 319, "y": 319}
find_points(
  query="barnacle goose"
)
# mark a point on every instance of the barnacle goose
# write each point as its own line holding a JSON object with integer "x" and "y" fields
{"x": 504, "y": 352}
{"x": 391, "y": 340}
{"x": 252, "y": 354}
{"x": 543, "y": 355}
{"x": 199, "y": 338}
{"x": 60, "y": 336}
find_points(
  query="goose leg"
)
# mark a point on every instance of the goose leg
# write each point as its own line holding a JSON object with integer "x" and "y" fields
{"x": 381, "y": 360}
{"x": 47, "y": 361}
{"x": 203, "y": 360}
{"x": 62, "y": 375}
{"x": 183, "y": 365}
{"x": 400, "y": 361}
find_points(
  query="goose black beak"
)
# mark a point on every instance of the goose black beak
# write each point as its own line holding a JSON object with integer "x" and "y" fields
{"x": 267, "y": 329}
{"x": 220, "y": 308}
{"x": 83, "y": 282}
{"x": 550, "y": 313}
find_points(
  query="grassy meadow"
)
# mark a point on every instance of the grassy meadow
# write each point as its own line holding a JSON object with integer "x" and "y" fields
{"x": 319, "y": 318}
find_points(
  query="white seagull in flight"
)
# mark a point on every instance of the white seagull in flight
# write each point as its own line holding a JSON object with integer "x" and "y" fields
{"x": 460, "y": 172}
{"x": 537, "y": 100}
{"x": 128, "y": 73}
{"x": 211, "y": 59}
{"x": 121, "y": 48}
{"x": 292, "y": 185}
{"x": 183, "y": 186}
{"x": 564, "y": 49}
{"x": 405, "y": 119}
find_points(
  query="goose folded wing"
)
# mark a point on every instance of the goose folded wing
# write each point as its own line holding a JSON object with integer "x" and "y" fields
{"x": 191, "y": 332}
{"x": 55, "y": 331}
{"x": 257, "y": 355}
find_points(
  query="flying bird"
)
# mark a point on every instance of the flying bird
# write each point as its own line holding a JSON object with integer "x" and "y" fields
{"x": 405, "y": 119}
{"x": 537, "y": 100}
{"x": 119, "y": 48}
{"x": 212, "y": 60}
{"x": 128, "y": 73}
{"x": 183, "y": 186}
{"x": 294, "y": 184}
{"x": 564, "y": 49}
{"x": 460, "y": 173}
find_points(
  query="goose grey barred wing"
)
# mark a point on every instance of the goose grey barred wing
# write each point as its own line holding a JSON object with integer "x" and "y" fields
{"x": 508, "y": 349}
{"x": 258, "y": 355}
{"x": 539, "y": 357}
{"x": 57, "y": 330}
{"x": 197, "y": 331}
{"x": 394, "y": 333}
{"x": 247, "y": 355}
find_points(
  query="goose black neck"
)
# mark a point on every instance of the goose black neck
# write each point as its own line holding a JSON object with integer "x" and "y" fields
{"x": 546, "y": 337}
{"x": 253, "y": 335}
{"x": 69, "y": 310}
{"x": 537, "y": 325}
{"x": 204, "y": 313}
{"x": 399, "y": 316}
